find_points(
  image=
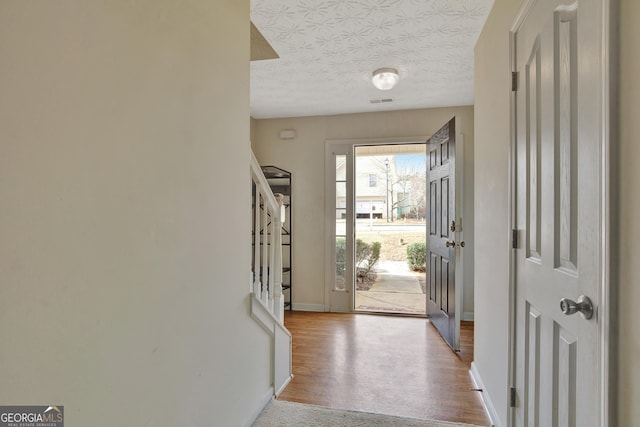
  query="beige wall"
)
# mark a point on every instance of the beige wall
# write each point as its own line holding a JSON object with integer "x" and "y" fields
{"x": 491, "y": 180}
{"x": 628, "y": 212}
{"x": 304, "y": 157}
{"x": 492, "y": 91}
{"x": 122, "y": 152}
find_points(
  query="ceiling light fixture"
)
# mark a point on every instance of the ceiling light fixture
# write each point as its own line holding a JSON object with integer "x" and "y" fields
{"x": 385, "y": 78}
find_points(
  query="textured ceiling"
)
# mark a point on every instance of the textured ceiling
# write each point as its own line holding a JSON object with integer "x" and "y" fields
{"x": 329, "y": 48}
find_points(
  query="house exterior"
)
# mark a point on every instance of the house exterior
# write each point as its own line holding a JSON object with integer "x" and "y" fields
{"x": 374, "y": 180}
{"x": 123, "y": 274}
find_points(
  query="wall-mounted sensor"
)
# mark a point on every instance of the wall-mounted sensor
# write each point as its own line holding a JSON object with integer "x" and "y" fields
{"x": 287, "y": 134}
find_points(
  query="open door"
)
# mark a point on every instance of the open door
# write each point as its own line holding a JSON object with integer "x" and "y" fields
{"x": 444, "y": 290}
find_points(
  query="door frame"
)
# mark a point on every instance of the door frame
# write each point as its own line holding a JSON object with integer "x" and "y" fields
{"x": 607, "y": 339}
{"x": 341, "y": 145}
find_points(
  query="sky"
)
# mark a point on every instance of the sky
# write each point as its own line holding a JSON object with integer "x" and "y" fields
{"x": 411, "y": 162}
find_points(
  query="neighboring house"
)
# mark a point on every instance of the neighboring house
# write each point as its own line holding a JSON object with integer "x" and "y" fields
{"x": 375, "y": 176}
{"x": 124, "y": 248}
{"x": 381, "y": 190}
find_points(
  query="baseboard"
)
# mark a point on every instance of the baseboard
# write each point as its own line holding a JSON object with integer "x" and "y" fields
{"x": 286, "y": 383}
{"x": 308, "y": 307}
{"x": 468, "y": 316}
{"x": 263, "y": 403}
{"x": 489, "y": 407}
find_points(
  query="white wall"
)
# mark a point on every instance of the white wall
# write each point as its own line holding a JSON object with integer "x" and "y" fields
{"x": 491, "y": 180}
{"x": 122, "y": 152}
{"x": 304, "y": 157}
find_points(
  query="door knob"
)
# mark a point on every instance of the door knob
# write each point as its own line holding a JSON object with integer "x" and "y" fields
{"x": 583, "y": 305}
{"x": 450, "y": 244}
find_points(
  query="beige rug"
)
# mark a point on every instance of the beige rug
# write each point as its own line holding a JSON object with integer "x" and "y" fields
{"x": 279, "y": 413}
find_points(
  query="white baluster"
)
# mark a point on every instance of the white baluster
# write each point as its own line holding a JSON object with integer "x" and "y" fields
{"x": 277, "y": 262}
{"x": 256, "y": 246}
{"x": 265, "y": 255}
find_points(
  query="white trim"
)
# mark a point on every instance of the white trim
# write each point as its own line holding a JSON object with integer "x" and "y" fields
{"x": 284, "y": 385}
{"x": 282, "y": 358}
{"x": 329, "y": 229}
{"x": 522, "y": 14}
{"x": 308, "y": 307}
{"x": 468, "y": 316}
{"x": 377, "y": 141}
{"x": 344, "y": 147}
{"x": 489, "y": 407}
{"x": 511, "y": 197}
{"x": 264, "y": 401}
{"x": 604, "y": 311}
{"x": 335, "y": 299}
{"x": 262, "y": 315}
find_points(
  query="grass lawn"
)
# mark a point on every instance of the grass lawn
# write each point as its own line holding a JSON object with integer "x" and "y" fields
{"x": 393, "y": 243}
{"x": 393, "y": 248}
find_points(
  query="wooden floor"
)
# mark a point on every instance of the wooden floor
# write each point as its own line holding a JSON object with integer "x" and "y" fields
{"x": 384, "y": 364}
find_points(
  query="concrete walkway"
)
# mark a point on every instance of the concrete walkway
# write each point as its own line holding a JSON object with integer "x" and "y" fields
{"x": 396, "y": 290}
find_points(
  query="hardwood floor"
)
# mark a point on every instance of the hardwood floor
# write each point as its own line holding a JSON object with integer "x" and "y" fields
{"x": 384, "y": 364}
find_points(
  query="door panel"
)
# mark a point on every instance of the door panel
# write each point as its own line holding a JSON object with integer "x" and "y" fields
{"x": 558, "y": 203}
{"x": 441, "y": 298}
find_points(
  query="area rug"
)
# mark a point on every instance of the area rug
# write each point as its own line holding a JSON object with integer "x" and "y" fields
{"x": 279, "y": 413}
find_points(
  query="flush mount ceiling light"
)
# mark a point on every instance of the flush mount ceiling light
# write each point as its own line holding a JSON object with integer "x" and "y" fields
{"x": 385, "y": 78}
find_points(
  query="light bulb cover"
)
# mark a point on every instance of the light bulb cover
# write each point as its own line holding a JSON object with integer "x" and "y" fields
{"x": 385, "y": 78}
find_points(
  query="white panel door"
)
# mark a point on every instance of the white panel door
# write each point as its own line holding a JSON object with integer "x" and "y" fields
{"x": 558, "y": 213}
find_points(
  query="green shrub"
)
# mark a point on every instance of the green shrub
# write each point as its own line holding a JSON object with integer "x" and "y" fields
{"x": 367, "y": 256}
{"x": 417, "y": 256}
{"x": 341, "y": 246}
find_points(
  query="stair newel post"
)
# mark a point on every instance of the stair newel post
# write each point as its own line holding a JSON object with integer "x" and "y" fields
{"x": 277, "y": 260}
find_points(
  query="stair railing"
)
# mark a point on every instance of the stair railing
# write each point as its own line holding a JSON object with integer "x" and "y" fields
{"x": 266, "y": 265}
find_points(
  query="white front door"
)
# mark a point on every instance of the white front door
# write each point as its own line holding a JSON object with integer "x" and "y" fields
{"x": 559, "y": 208}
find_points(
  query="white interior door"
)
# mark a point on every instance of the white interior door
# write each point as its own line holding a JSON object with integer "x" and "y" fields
{"x": 559, "y": 178}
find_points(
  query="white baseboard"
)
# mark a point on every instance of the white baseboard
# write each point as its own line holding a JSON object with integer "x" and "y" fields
{"x": 262, "y": 404}
{"x": 468, "y": 315}
{"x": 308, "y": 307}
{"x": 489, "y": 407}
{"x": 286, "y": 383}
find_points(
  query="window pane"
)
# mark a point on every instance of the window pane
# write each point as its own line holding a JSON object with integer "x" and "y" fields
{"x": 340, "y": 263}
{"x": 341, "y": 168}
{"x": 341, "y": 195}
{"x": 340, "y": 224}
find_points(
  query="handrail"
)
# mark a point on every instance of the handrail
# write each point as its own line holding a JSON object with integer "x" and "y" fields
{"x": 267, "y": 244}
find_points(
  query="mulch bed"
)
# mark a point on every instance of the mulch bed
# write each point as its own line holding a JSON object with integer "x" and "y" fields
{"x": 364, "y": 283}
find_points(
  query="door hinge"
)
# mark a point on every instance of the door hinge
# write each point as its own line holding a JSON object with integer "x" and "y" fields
{"x": 512, "y": 397}
{"x": 514, "y": 239}
{"x": 514, "y": 81}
